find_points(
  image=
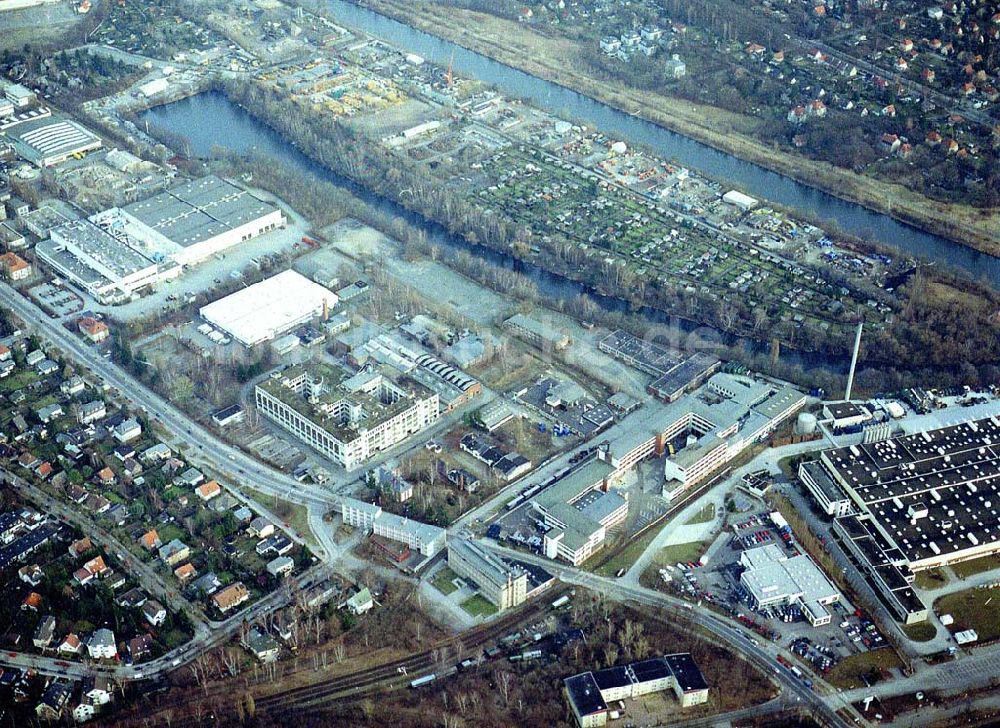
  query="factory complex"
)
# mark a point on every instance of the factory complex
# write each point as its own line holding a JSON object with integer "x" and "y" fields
{"x": 913, "y": 502}
{"x": 117, "y": 253}
{"x": 195, "y": 220}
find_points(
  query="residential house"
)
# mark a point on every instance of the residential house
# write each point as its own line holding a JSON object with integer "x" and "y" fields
{"x": 260, "y": 527}
{"x": 261, "y": 645}
{"x": 70, "y": 644}
{"x": 232, "y": 596}
{"x": 208, "y": 491}
{"x": 96, "y": 331}
{"x": 185, "y": 573}
{"x": 73, "y": 385}
{"x": 140, "y": 646}
{"x": 154, "y": 612}
{"x": 280, "y": 566}
{"x": 156, "y": 453}
{"x": 97, "y": 688}
{"x": 54, "y": 700}
{"x": 360, "y": 602}
{"x": 101, "y": 644}
{"x": 150, "y": 540}
{"x": 80, "y": 547}
{"x": 31, "y": 575}
{"x": 127, "y": 430}
{"x": 49, "y": 412}
{"x": 93, "y": 411}
{"x": 44, "y": 632}
{"x": 174, "y": 552}
{"x": 14, "y": 267}
{"x": 32, "y": 602}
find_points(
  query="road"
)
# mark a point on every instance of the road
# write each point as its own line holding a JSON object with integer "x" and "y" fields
{"x": 206, "y": 448}
{"x": 140, "y": 571}
{"x": 762, "y": 655}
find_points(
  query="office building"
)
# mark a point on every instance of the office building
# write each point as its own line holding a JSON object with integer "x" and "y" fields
{"x": 589, "y": 693}
{"x": 422, "y": 537}
{"x": 347, "y": 419}
{"x": 502, "y": 584}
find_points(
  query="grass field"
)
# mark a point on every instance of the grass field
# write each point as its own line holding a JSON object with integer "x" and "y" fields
{"x": 625, "y": 558}
{"x": 919, "y": 632}
{"x": 705, "y": 515}
{"x": 966, "y": 569}
{"x": 930, "y": 579}
{"x": 442, "y": 581}
{"x": 851, "y": 672}
{"x": 977, "y": 609}
{"x": 293, "y": 515}
{"x": 478, "y": 606}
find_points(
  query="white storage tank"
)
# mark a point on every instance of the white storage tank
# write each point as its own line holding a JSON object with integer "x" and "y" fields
{"x": 806, "y": 424}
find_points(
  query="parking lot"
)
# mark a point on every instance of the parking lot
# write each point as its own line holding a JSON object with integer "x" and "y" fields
{"x": 57, "y": 298}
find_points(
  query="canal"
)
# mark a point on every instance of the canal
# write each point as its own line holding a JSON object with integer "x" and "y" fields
{"x": 210, "y": 120}
{"x": 850, "y": 217}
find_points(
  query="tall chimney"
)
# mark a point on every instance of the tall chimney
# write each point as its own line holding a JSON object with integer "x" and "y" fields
{"x": 854, "y": 362}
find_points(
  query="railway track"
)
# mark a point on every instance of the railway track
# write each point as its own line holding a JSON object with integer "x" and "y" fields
{"x": 403, "y": 670}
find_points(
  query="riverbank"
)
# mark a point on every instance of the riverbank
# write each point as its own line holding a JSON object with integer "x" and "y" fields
{"x": 552, "y": 60}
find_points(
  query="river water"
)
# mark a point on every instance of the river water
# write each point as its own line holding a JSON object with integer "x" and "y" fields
{"x": 755, "y": 180}
{"x": 211, "y": 120}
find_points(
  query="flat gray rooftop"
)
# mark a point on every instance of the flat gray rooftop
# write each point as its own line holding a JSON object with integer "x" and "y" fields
{"x": 198, "y": 210}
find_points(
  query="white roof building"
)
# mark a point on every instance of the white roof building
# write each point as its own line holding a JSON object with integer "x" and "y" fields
{"x": 770, "y": 577}
{"x": 266, "y": 310}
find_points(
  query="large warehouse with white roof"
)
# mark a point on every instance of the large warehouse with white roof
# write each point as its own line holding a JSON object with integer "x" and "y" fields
{"x": 268, "y": 309}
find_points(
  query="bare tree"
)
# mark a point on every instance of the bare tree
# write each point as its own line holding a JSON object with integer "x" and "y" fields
{"x": 504, "y": 681}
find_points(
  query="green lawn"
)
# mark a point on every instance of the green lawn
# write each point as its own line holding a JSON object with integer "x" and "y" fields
{"x": 848, "y": 673}
{"x": 681, "y": 553}
{"x": 624, "y": 558}
{"x": 966, "y": 569}
{"x": 930, "y": 579}
{"x": 920, "y": 632}
{"x": 478, "y": 606}
{"x": 442, "y": 581}
{"x": 977, "y": 609}
{"x": 705, "y": 515}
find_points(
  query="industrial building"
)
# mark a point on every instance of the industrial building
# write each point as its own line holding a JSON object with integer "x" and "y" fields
{"x": 540, "y": 333}
{"x": 703, "y": 431}
{"x": 195, "y": 220}
{"x": 503, "y": 585}
{"x": 579, "y": 509}
{"x": 348, "y": 419}
{"x": 50, "y": 140}
{"x": 266, "y": 310}
{"x": 915, "y": 502}
{"x": 453, "y": 387}
{"x": 99, "y": 263}
{"x": 422, "y": 537}
{"x": 673, "y": 371}
{"x": 589, "y": 693}
{"x": 770, "y": 577}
